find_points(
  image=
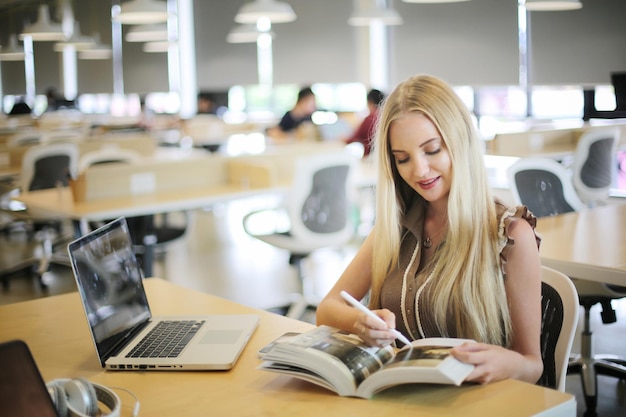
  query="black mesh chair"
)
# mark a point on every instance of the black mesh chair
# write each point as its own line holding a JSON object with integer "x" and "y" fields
{"x": 595, "y": 165}
{"x": 545, "y": 186}
{"x": 559, "y": 318}
{"x": 316, "y": 215}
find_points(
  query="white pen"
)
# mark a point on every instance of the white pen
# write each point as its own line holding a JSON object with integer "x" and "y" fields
{"x": 355, "y": 303}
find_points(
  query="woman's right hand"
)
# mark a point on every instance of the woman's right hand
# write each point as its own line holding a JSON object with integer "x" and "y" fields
{"x": 372, "y": 331}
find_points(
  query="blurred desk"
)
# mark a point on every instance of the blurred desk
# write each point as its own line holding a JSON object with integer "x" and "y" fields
{"x": 550, "y": 142}
{"x": 60, "y": 202}
{"x": 590, "y": 244}
{"x": 55, "y": 330}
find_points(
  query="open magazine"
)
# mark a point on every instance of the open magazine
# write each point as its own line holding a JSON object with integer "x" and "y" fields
{"x": 341, "y": 362}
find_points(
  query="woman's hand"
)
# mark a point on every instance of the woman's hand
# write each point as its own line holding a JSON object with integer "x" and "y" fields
{"x": 374, "y": 333}
{"x": 492, "y": 363}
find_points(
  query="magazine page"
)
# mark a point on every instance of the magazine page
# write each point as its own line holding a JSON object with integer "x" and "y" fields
{"x": 425, "y": 361}
{"x": 338, "y": 357}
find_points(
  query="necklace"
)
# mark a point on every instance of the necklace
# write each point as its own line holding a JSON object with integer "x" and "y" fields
{"x": 427, "y": 242}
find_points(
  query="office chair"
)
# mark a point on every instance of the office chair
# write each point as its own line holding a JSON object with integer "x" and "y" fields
{"x": 545, "y": 187}
{"x": 27, "y": 138}
{"x": 559, "y": 318}
{"x": 150, "y": 233}
{"x": 316, "y": 215}
{"x": 43, "y": 167}
{"x": 63, "y": 136}
{"x": 595, "y": 165}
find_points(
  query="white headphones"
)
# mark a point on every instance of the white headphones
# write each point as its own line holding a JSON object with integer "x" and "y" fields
{"x": 79, "y": 398}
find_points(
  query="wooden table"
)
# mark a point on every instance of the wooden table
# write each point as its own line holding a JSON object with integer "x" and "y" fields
{"x": 58, "y": 202}
{"x": 590, "y": 244}
{"x": 56, "y": 331}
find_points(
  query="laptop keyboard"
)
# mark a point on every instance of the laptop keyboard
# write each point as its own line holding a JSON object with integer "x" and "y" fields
{"x": 166, "y": 340}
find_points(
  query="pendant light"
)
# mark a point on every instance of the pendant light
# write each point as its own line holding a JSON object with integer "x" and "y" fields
{"x": 77, "y": 40}
{"x": 275, "y": 11}
{"x": 433, "y": 1}
{"x": 141, "y": 12}
{"x": 247, "y": 33}
{"x": 157, "y": 46}
{"x": 147, "y": 33}
{"x": 374, "y": 11}
{"x": 553, "y": 5}
{"x": 43, "y": 29}
{"x": 13, "y": 52}
{"x": 97, "y": 51}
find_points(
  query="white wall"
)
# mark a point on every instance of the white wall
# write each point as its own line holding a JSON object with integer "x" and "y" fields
{"x": 470, "y": 43}
{"x": 581, "y": 46}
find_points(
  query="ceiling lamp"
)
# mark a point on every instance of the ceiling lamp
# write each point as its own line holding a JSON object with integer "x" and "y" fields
{"x": 374, "y": 11}
{"x": 157, "y": 46}
{"x": 247, "y": 33}
{"x": 97, "y": 51}
{"x": 147, "y": 33}
{"x": 77, "y": 40}
{"x": 275, "y": 11}
{"x": 12, "y": 52}
{"x": 43, "y": 29}
{"x": 142, "y": 12}
{"x": 433, "y": 1}
{"x": 553, "y": 5}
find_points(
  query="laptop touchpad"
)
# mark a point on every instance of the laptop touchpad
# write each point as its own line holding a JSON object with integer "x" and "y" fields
{"x": 224, "y": 337}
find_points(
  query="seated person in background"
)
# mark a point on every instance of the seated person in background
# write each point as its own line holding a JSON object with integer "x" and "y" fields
{"x": 365, "y": 132}
{"x": 301, "y": 112}
{"x": 206, "y": 104}
{"x": 444, "y": 259}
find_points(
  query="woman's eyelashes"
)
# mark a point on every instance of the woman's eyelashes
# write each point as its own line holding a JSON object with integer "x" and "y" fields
{"x": 428, "y": 152}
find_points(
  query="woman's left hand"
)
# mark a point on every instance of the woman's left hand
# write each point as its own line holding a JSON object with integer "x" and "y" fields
{"x": 492, "y": 363}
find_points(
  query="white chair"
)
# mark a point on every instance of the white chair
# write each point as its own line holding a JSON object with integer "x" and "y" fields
{"x": 27, "y": 138}
{"x": 559, "y": 305}
{"x": 545, "y": 187}
{"x": 107, "y": 155}
{"x": 48, "y": 165}
{"x": 150, "y": 233}
{"x": 595, "y": 165}
{"x": 63, "y": 136}
{"x": 43, "y": 167}
{"x": 316, "y": 215}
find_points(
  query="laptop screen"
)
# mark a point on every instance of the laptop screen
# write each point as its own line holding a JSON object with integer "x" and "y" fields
{"x": 109, "y": 280}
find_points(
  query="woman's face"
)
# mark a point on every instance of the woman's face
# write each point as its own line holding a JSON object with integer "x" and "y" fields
{"x": 421, "y": 157}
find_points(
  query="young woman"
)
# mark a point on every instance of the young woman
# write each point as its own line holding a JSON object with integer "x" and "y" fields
{"x": 444, "y": 258}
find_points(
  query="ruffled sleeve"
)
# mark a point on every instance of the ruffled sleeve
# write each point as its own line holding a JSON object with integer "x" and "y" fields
{"x": 508, "y": 215}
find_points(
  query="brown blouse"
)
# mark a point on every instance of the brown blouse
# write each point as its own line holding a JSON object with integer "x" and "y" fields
{"x": 409, "y": 261}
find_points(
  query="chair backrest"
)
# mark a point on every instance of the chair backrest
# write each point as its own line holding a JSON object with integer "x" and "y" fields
{"x": 47, "y": 166}
{"x": 63, "y": 136}
{"x": 544, "y": 186}
{"x": 107, "y": 155}
{"x": 595, "y": 164}
{"x": 25, "y": 139}
{"x": 320, "y": 199}
{"x": 559, "y": 318}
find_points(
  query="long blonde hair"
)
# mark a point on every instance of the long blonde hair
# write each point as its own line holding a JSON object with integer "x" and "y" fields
{"x": 469, "y": 284}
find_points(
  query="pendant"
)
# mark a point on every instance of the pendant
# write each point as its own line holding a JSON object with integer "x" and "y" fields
{"x": 427, "y": 243}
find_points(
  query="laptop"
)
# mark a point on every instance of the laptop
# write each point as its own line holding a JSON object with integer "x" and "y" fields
{"x": 23, "y": 392}
{"x": 125, "y": 334}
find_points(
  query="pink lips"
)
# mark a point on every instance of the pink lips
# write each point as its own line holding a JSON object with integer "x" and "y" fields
{"x": 427, "y": 185}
